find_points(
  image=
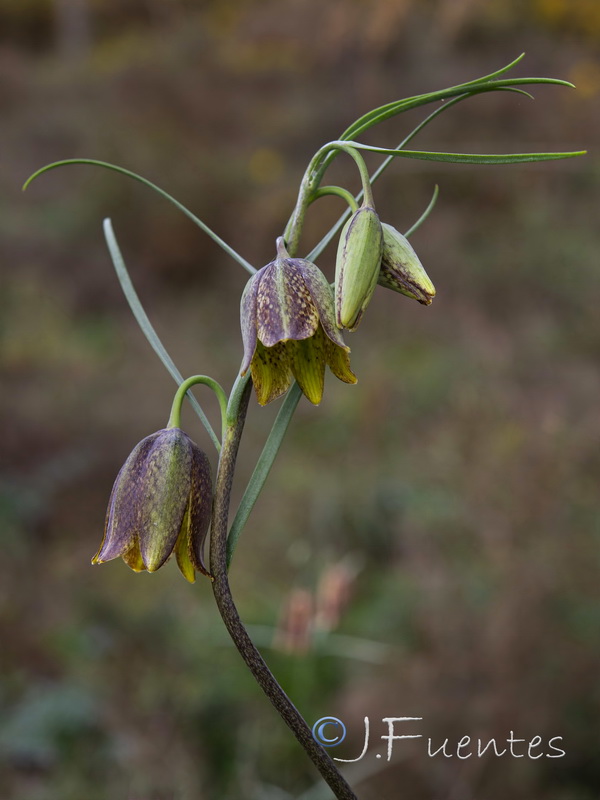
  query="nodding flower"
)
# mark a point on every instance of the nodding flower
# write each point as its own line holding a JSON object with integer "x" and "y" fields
{"x": 289, "y": 330}
{"x": 160, "y": 504}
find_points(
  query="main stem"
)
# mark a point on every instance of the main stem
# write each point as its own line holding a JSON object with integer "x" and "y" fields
{"x": 231, "y": 617}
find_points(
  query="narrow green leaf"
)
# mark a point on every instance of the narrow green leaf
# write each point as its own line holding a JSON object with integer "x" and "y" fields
{"x": 425, "y": 214}
{"x": 146, "y": 326}
{"x": 196, "y": 220}
{"x": 318, "y": 249}
{"x": 263, "y": 467}
{"x": 429, "y": 97}
{"x": 467, "y": 158}
{"x": 512, "y": 89}
{"x": 498, "y": 72}
{"x": 377, "y": 115}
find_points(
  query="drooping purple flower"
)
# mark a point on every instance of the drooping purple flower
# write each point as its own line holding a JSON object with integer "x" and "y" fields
{"x": 160, "y": 504}
{"x": 289, "y": 331}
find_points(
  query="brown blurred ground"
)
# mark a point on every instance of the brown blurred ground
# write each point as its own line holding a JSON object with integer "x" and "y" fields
{"x": 456, "y": 487}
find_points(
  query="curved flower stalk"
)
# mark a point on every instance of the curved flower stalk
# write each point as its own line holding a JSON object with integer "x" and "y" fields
{"x": 289, "y": 331}
{"x": 163, "y": 501}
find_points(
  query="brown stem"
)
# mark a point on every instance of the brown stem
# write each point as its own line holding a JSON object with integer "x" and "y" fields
{"x": 233, "y": 623}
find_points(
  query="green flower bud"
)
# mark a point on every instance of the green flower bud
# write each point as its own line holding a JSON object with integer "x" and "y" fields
{"x": 357, "y": 266}
{"x": 401, "y": 269}
{"x": 289, "y": 331}
{"x": 160, "y": 504}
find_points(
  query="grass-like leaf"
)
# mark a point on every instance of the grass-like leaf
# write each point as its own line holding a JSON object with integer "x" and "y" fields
{"x": 318, "y": 249}
{"x": 464, "y": 158}
{"x": 196, "y": 220}
{"x": 377, "y": 115}
{"x": 425, "y": 214}
{"x": 146, "y": 326}
{"x": 263, "y": 467}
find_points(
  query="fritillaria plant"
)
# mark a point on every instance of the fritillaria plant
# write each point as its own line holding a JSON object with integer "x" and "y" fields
{"x": 164, "y": 501}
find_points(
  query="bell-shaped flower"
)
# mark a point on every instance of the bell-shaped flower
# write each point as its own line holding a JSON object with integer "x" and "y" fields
{"x": 401, "y": 269}
{"x": 289, "y": 330}
{"x": 160, "y": 504}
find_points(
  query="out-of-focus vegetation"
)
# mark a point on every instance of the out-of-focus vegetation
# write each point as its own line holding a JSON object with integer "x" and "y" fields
{"x": 437, "y": 525}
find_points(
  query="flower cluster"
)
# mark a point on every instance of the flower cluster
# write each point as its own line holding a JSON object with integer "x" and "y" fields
{"x": 291, "y": 319}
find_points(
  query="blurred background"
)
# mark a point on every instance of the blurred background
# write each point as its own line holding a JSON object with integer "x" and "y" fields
{"x": 428, "y": 542}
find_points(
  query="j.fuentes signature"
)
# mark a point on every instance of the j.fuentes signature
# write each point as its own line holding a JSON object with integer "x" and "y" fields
{"x": 331, "y": 731}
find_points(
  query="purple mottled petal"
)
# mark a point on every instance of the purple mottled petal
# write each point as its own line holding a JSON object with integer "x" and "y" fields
{"x": 271, "y": 373}
{"x": 200, "y": 507}
{"x": 183, "y": 549}
{"x": 248, "y": 319}
{"x": 122, "y": 517}
{"x": 322, "y": 295}
{"x": 284, "y": 308}
{"x": 163, "y": 495}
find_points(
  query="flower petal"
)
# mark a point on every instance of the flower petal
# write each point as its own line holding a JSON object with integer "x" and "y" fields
{"x": 133, "y": 558}
{"x": 284, "y": 308}
{"x": 200, "y": 508}
{"x": 271, "y": 374}
{"x": 322, "y": 296}
{"x": 183, "y": 550}
{"x": 308, "y": 365}
{"x": 248, "y": 320}
{"x": 164, "y": 493}
{"x": 338, "y": 360}
{"x": 122, "y": 517}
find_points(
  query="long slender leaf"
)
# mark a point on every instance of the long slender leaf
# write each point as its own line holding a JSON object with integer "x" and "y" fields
{"x": 370, "y": 114}
{"x": 465, "y": 158}
{"x": 512, "y": 89}
{"x": 263, "y": 467}
{"x": 318, "y": 249}
{"x": 196, "y": 220}
{"x": 146, "y": 326}
{"x": 377, "y": 115}
{"x": 425, "y": 214}
{"x": 393, "y": 109}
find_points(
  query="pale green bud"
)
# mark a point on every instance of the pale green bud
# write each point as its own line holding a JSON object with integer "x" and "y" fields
{"x": 401, "y": 269}
{"x": 357, "y": 266}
